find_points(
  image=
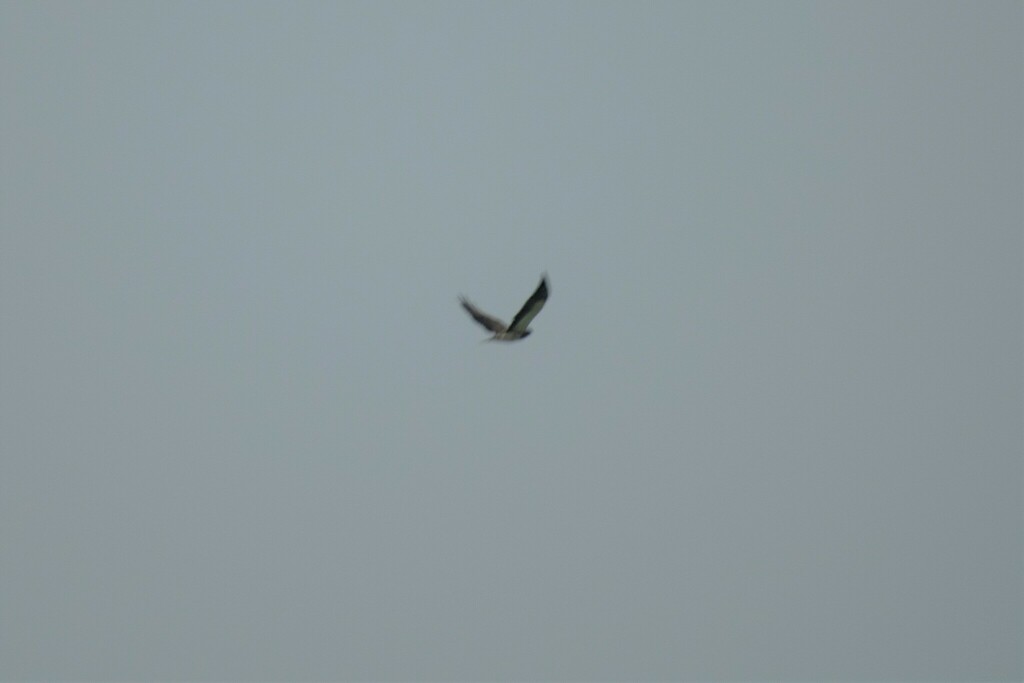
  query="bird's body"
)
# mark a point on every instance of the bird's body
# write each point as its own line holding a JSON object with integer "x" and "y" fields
{"x": 518, "y": 329}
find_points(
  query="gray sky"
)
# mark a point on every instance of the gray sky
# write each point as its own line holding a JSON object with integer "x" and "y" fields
{"x": 769, "y": 424}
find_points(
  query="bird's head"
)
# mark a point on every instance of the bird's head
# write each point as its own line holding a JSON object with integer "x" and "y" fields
{"x": 527, "y": 333}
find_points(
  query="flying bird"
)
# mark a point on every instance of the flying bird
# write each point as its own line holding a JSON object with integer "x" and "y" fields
{"x": 519, "y": 328}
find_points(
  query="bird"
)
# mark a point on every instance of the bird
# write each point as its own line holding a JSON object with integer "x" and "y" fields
{"x": 518, "y": 329}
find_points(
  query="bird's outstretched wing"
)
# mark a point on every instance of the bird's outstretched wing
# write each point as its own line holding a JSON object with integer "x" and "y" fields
{"x": 493, "y": 324}
{"x": 531, "y": 308}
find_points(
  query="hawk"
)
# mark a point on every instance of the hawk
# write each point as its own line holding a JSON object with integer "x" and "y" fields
{"x": 518, "y": 329}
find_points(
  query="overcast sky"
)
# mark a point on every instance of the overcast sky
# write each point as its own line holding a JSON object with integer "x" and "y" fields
{"x": 769, "y": 425}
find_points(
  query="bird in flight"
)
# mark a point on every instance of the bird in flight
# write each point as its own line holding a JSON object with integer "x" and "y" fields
{"x": 519, "y": 327}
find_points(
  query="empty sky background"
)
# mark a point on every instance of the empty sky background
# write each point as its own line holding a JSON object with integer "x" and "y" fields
{"x": 769, "y": 424}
